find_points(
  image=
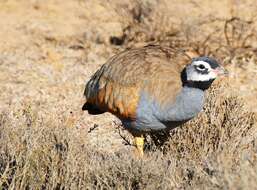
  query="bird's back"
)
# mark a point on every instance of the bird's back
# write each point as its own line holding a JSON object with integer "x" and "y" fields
{"x": 118, "y": 85}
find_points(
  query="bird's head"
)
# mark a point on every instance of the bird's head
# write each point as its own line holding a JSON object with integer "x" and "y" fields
{"x": 202, "y": 72}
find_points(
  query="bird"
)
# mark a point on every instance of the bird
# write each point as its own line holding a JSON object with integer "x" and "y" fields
{"x": 151, "y": 88}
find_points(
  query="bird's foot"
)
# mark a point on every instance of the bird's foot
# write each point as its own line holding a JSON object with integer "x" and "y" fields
{"x": 139, "y": 143}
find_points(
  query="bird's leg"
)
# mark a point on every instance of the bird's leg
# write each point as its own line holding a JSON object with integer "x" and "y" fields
{"x": 139, "y": 143}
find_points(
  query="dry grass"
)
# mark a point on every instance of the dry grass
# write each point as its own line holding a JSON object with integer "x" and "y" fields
{"x": 47, "y": 143}
{"x": 217, "y": 150}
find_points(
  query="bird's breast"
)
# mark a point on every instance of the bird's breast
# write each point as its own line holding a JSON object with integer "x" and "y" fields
{"x": 188, "y": 103}
{"x": 154, "y": 116}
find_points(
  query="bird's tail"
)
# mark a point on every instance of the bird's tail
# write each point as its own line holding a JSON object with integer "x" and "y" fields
{"x": 92, "y": 109}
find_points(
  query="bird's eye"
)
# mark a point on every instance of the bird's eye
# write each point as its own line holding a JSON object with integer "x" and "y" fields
{"x": 201, "y": 67}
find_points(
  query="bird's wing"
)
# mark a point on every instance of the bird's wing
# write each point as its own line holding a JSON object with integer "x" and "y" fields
{"x": 117, "y": 85}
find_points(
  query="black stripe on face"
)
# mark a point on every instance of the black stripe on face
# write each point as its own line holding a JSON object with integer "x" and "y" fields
{"x": 204, "y": 71}
{"x": 212, "y": 62}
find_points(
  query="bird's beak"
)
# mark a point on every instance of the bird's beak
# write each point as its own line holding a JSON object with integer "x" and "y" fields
{"x": 221, "y": 71}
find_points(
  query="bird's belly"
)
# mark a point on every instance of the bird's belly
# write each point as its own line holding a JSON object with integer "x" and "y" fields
{"x": 141, "y": 125}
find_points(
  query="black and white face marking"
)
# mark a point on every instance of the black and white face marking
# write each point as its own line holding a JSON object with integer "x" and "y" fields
{"x": 203, "y": 69}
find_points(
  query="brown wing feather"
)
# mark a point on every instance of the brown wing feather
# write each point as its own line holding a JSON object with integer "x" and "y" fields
{"x": 116, "y": 86}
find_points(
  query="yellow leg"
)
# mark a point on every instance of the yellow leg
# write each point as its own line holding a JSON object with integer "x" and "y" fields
{"x": 139, "y": 143}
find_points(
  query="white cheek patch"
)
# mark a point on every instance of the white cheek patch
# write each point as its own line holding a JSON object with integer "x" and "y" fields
{"x": 193, "y": 75}
{"x": 201, "y": 77}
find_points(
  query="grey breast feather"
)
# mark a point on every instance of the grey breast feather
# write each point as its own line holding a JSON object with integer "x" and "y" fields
{"x": 151, "y": 116}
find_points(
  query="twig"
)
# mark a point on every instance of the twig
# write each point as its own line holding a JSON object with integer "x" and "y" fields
{"x": 92, "y": 128}
{"x": 126, "y": 141}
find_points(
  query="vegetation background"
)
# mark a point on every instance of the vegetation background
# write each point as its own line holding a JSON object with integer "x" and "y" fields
{"x": 50, "y": 48}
